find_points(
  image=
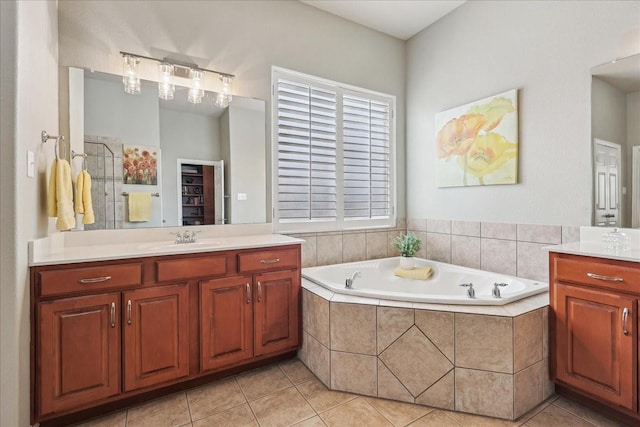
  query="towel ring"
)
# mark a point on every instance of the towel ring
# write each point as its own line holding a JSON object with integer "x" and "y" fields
{"x": 44, "y": 136}
{"x": 84, "y": 158}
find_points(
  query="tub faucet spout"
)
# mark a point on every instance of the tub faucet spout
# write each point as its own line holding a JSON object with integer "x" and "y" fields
{"x": 471, "y": 293}
{"x": 349, "y": 282}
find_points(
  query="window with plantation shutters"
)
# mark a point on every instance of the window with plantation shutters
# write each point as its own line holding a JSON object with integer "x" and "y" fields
{"x": 333, "y": 155}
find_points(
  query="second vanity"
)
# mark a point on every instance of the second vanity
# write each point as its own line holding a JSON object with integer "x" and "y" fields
{"x": 109, "y": 327}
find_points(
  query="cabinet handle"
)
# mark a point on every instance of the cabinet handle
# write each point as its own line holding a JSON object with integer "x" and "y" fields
{"x": 625, "y": 317}
{"x": 248, "y": 293}
{"x": 606, "y": 278}
{"x": 269, "y": 261}
{"x": 259, "y": 292}
{"x": 113, "y": 314}
{"x": 95, "y": 280}
{"x": 128, "y": 312}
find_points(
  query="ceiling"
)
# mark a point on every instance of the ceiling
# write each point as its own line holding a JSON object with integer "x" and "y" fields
{"x": 398, "y": 18}
{"x": 623, "y": 74}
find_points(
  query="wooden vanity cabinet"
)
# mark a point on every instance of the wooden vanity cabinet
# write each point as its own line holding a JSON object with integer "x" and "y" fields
{"x": 254, "y": 314}
{"x": 107, "y": 331}
{"x": 593, "y": 326}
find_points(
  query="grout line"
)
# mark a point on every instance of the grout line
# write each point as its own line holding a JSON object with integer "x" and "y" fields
{"x": 186, "y": 397}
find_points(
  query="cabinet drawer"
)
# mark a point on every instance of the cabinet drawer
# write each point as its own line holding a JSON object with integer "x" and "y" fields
{"x": 191, "y": 268}
{"x": 616, "y": 275}
{"x": 275, "y": 259}
{"x": 64, "y": 281}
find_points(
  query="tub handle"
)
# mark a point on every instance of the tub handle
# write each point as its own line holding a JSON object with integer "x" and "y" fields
{"x": 471, "y": 293}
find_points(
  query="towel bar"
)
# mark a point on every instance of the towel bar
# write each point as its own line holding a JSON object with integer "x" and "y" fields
{"x": 152, "y": 194}
{"x": 44, "y": 136}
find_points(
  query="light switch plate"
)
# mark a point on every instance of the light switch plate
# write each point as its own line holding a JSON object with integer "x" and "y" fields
{"x": 31, "y": 164}
{"x": 242, "y": 196}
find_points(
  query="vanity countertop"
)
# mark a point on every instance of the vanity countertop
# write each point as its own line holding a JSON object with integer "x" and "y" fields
{"x": 53, "y": 253}
{"x": 590, "y": 245}
{"x": 595, "y": 249}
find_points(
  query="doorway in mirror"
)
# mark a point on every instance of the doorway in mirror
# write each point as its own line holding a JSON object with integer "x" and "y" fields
{"x": 201, "y": 201}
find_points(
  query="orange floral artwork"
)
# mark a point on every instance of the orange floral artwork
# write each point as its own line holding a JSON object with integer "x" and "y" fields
{"x": 140, "y": 165}
{"x": 477, "y": 143}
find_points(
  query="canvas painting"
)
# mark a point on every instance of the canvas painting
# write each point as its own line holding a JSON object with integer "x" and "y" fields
{"x": 477, "y": 143}
{"x": 140, "y": 165}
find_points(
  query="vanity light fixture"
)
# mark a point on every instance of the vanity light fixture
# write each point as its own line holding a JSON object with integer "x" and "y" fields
{"x": 130, "y": 77}
{"x": 168, "y": 69}
{"x": 166, "y": 89}
{"x": 196, "y": 92}
{"x": 224, "y": 97}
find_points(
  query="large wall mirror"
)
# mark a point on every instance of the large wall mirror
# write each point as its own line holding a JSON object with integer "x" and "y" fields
{"x": 615, "y": 130}
{"x": 201, "y": 164}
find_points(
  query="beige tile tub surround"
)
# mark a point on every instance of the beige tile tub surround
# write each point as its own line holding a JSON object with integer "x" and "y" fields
{"x": 492, "y": 365}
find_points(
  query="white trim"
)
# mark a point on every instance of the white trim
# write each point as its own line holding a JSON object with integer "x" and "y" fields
{"x": 340, "y": 223}
{"x": 635, "y": 187}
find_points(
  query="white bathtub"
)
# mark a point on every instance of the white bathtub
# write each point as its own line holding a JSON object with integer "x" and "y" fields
{"x": 378, "y": 281}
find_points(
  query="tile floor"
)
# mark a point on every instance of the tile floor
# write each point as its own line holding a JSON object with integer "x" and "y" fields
{"x": 288, "y": 394}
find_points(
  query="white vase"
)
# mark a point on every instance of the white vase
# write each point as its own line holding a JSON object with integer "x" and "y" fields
{"x": 406, "y": 262}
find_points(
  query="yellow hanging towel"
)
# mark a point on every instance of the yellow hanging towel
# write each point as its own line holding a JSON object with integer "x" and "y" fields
{"x": 83, "y": 203}
{"x": 60, "y": 195}
{"x": 139, "y": 207}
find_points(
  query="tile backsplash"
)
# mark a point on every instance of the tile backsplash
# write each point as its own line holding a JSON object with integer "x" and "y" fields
{"x": 512, "y": 249}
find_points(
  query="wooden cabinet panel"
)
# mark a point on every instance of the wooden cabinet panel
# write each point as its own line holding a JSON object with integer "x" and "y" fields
{"x": 191, "y": 268}
{"x": 78, "y": 351}
{"x": 226, "y": 321}
{"x": 276, "y": 311}
{"x": 268, "y": 260}
{"x": 592, "y": 351}
{"x": 609, "y": 274}
{"x": 156, "y": 335}
{"x": 85, "y": 279}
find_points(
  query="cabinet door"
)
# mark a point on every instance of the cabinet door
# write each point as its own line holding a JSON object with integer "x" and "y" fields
{"x": 594, "y": 354}
{"x": 226, "y": 322}
{"x": 78, "y": 354}
{"x": 277, "y": 309}
{"x": 156, "y": 335}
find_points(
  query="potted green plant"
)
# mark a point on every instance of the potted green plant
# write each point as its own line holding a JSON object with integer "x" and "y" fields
{"x": 408, "y": 245}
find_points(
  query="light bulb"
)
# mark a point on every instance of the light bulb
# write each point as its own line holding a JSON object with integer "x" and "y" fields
{"x": 224, "y": 97}
{"x": 196, "y": 92}
{"x": 165, "y": 87}
{"x": 130, "y": 77}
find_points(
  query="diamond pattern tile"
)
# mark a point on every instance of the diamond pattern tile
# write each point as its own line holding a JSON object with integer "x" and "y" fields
{"x": 415, "y": 361}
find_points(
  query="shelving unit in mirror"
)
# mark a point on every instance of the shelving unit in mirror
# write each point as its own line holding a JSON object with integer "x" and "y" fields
{"x": 197, "y": 194}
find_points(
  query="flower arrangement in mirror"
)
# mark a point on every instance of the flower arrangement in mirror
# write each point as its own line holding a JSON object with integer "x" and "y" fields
{"x": 408, "y": 245}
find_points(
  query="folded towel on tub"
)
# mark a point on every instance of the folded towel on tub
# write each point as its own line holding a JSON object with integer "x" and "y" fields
{"x": 422, "y": 273}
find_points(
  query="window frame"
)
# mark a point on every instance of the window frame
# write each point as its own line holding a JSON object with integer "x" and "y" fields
{"x": 340, "y": 223}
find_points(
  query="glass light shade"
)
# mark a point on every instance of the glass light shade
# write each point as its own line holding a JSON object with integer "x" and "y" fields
{"x": 165, "y": 88}
{"x": 130, "y": 77}
{"x": 224, "y": 97}
{"x": 196, "y": 91}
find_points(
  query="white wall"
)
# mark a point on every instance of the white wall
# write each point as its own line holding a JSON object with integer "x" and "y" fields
{"x": 545, "y": 49}
{"x": 633, "y": 139}
{"x": 29, "y": 49}
{"x": 244, "y": 38}
{"x": 185, "y": 136}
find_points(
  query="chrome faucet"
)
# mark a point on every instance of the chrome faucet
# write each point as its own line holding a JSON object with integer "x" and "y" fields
{"x": 349, "y": 282}
{"x": 471, "y": 293}
{"x": 496, "y": 289}
{"x": 179, "y": 237}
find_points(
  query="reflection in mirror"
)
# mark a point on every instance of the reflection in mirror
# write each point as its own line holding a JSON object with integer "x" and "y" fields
{"x": 615, "y": 129}
{"x": 200, "y": 164}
